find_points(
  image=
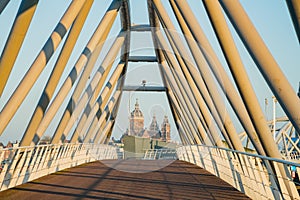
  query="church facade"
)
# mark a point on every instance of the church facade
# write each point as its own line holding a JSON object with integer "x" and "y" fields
{"x": 137, "y": 128}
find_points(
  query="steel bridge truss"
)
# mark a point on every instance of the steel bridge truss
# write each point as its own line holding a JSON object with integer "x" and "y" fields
{"x": 190, "y": 69}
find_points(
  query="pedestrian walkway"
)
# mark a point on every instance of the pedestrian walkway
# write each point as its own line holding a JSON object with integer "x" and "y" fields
{"x": 178, "y": 180}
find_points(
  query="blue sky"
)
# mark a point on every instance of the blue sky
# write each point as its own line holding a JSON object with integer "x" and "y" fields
{"x": 270, "y": 17}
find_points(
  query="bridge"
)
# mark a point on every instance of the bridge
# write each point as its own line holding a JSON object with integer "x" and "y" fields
{"x": 73, "y": 88}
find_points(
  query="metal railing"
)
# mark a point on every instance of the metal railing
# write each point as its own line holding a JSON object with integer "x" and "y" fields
{"x": 22, "y": 164}
{"x": 249, "y": 173}
{"x": 293, "y": 156}
{"x": 156, "y": 154}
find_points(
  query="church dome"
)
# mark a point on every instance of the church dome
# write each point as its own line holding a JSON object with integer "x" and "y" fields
{"x": 137, "y": 112}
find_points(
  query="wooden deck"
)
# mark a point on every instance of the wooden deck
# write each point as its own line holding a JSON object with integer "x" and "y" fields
{"x": 178, "y": 180}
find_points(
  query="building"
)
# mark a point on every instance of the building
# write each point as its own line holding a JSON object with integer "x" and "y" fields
{"x": 136, "y": 121}
{"x": 166, "y": 129}
{"x": 137, "y": 128}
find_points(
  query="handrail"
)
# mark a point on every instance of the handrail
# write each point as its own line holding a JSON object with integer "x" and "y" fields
{"x": 247, "y": 172}
{"x": 19, "y": 165}
{"x": 254, "y": 155}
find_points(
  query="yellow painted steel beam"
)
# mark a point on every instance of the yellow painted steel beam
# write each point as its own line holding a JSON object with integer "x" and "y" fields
{"x": 202, "y": 82}
{"x": 184, "y": 96}
{"x": 237, "y": 68}
{"x": 90, "y": 93}
{"x": 170, "y": 30}
{"x": 215, "y": 65}
{"x": 99, "y": 80}
{"x": 100, "y": 75}
{"x": 101, "y": 102}
{"x": 95, "y": 44}
{"x": 107, "y": 132}
{"x": 155, "y": 26}
{"x": 183, "y": 120}
{"x": 15, "y": 39}
{"x": 58, "y": 70}
{"x": 264, "y": 60}
{"x": 39, "y": 64}
{"x": 101, "y": 118}
{"x": 294, "y": 8}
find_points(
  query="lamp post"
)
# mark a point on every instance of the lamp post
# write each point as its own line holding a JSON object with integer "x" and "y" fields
{"x": 274, "y": 117}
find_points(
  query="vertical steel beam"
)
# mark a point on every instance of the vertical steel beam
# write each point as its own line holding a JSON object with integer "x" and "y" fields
{"x": 206, "y": 91}
{"x": 155, "y": 26}
{"x": 294, "y": 8}
{"x": 264, "y": 60}
{"x": 15, "y": 39}
{"x": 106, "y": 132}
{"x": 99, "y": 135}
{"x": 239, "y": 73}
{"x": 58, "y": 69}
{"x": 126, "y": 24}
{"x": 174, "y": 77}
{"x": 200, "y": 102}
{"x": 205, "y": 83}
{"x": 39, "y": 64}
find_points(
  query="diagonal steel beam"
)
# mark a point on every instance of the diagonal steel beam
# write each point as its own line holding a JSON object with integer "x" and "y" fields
{"x": 39, "y": 64}
{"x": 99, "y": 79}
{"x": 15, "y": 39}
{"x": 58, "y": 69}
{"x": 94, "y": 46}
{"x": 294, "y": 8}
{"x": 93, "y": 134}
{"x": 264, "y": 60}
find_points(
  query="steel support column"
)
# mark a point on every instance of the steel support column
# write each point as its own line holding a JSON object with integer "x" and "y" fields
{"x": 155, "y": 26}
{"x": 126, "y": 24}
{"x": 185, "y": 96}
{"x": 239, "y": 73}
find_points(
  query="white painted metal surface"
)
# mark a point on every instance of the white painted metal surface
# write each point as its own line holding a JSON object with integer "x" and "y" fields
{"x": 246, "y": 172}
{"x": 23, "y": 164}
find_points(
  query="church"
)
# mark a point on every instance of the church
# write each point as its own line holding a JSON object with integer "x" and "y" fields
{"x": 137, "y": 128}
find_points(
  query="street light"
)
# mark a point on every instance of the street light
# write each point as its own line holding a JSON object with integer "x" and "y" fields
{"x": 274, "y": 116}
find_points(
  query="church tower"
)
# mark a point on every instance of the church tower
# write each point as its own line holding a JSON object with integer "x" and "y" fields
{"x": 154, "y": 129}
{"x": 165, "y": 130}
{"x": 136, "y": 120}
